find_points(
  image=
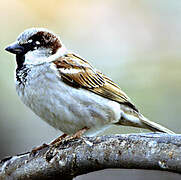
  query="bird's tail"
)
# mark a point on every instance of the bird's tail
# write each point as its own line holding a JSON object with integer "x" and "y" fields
{"x": 154, "y": 126}
{"x": 142, "y": 122}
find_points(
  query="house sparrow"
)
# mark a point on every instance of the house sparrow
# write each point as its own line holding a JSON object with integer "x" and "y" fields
{"x": 66, "y": 91}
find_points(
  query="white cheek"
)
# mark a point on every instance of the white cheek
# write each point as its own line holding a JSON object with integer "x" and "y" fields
{"x": 37, "y": 56}
{"x": 42, "y": 55}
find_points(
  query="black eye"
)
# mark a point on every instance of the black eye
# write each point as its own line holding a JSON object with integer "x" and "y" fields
{"x": 35, "y": 44}
{"x": 29, "y": 46}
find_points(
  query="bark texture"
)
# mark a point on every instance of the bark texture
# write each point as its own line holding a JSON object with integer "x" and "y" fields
{"x": 75, "y": 157}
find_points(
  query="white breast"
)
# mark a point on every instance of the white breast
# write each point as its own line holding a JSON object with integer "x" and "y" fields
{"x": 62, "y": 106}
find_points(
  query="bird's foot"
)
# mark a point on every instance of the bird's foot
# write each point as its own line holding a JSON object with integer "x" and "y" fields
{"x": 63, "y": 138}
{"x": 79, "y": 133}
{"x": 67, "y": 138}
{"x": 36, "y": 149}
{"x": 59, "y": 139}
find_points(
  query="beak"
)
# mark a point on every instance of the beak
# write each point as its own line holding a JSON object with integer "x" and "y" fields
{"x": 15, "y": 48}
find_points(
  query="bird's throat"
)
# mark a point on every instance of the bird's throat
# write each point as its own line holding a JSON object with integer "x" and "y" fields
{"x": 20, "y": 59}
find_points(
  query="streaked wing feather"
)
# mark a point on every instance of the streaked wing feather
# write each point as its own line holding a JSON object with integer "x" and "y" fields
{"x": 79, "y": 73}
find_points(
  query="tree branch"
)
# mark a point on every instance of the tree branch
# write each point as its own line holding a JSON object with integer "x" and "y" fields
{"x": 79, "y": 156}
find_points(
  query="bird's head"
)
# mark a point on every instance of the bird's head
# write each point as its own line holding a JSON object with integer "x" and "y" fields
{"x": 36, "y": 46}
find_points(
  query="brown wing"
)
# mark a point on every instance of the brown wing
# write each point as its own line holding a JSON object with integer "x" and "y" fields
{"x": 79, "y": 73}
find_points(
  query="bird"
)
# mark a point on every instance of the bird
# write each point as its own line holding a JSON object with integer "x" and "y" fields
{"x": 66, "y": 91}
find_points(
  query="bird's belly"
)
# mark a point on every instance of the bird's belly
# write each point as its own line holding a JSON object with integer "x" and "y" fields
{"x": 66, "y": 108}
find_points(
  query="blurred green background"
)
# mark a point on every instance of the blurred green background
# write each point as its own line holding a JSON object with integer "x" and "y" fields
{"x": 136, "y": 43}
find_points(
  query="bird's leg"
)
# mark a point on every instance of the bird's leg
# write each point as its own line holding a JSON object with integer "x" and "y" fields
{"x": 77, "y": 135}
{"x": 36, "y": 149}
{"x": 65, "y": 137}
{"x": 59, "y": 139}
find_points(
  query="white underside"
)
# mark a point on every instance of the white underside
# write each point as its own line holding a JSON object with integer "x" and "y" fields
{"x": 64, "y": 107}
